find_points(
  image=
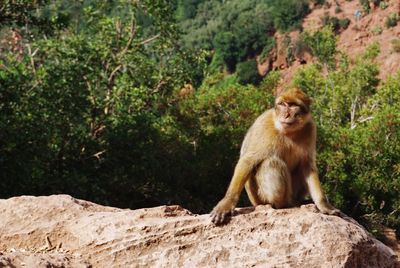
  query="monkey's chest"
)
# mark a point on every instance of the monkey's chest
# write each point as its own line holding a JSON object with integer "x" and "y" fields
{"x": 294, "y": 155}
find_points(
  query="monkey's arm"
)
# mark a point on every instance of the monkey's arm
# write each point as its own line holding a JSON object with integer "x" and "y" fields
{"x": 241, "y": 174}
{"x": 317, "y": 194}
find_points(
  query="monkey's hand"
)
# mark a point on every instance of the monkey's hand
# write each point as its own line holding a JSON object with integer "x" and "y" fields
{"x": 327, "y": 208}
{"x": 223, "y": 210}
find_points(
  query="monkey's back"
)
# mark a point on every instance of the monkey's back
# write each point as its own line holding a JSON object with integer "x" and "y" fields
{"x": 256, "y": 138}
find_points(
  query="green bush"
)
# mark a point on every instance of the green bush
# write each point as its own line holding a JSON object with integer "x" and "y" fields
{"x": 288, "y": 47}
{"x": 249, "y": 22}
{"x": 247, "y": 72}
{"x": 392, "y": 20}
{"x": 218, "y": 115}
{"x": 358, "y": 142}
{"x": 396, "y": 45}
{"x": 270, "y": 44}
{"x": 365, "y": 5}
{"x": 383, "y": 5}
{"x": 287, "y": 14}
{"x": 322, "y": 44}
{"x": 344, "y": 23}
{"x": 377, "y": 30}
{"x": 335, "y": 23}
{"x": 87, "y": 114}
{"x": 226, "y": 46}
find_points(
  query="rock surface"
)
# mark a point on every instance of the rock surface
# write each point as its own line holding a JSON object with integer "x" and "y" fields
{"x": 60, "y": 231}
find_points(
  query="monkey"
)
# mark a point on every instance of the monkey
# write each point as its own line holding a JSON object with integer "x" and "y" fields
{"x": 277, "y": 163}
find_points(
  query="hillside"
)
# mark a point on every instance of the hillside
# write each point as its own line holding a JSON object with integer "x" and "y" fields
{"x": 356, "y": 37}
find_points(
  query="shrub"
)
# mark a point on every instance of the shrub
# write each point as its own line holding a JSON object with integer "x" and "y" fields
{"x": 332, "y": 21}
{"x": 392, "y": 20}
{"x": 344, "y": 23}
{"x": 322, "y": 44}
{"x": 217, "y": 63}
{"x": 218, "y": 117}
{"x": 287, "y": 44}
{"x": 359, "y": 148}
{"x": 365, "y": 5}
{"x": 299, "y": 48}
{"x": 247, "y": 72}
{"x": 396, "y": 45}
{"x": 270, "y": 44}
{"x": 377, "y": 30}
{"x": 226, "y": 45}
{"x": 288, "y": 13}
{"x": 383, "y": 5}
{"x": 335, "y": 23}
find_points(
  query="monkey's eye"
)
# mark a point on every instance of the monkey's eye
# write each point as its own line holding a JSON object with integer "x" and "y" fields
{"x": 292, "y": 104}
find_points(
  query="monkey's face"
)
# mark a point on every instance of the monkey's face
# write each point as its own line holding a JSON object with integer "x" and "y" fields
{"x": 292, "y": 111}
{"x": 290, "y": 116}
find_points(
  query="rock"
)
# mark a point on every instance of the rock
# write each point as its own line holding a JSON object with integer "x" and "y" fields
{"x": 60, "y": 231}
{"x": 20, "y": 258}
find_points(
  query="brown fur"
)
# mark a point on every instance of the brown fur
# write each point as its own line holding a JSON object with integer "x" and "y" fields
{"x": 277, "y": 162}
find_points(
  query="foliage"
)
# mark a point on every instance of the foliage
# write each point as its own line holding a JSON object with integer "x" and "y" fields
{"x": 365, "y": 5}
{"x": 377, "y": 30}
{"x": 249, "y": 21}
{"x": 226, "y": 45}
{"x": 78, "y": 115}
{"x": 269, "y": 46}
{"x": 336, "y": 24}
{"x": 391, "y": 20}
{"x": 38, "y": 17}
{"x": 344, "y": 23}
{"x": 247, "y": 72}
{"x": 287, "y": 14}
{"x": 219, "y": 114}
{"x": 358, "y": 141}
{"x": 186, "y": 9}
{"x": 322, "y": 44}
{"x": 396, "y": 45}
{"x": 288, "y": 47}
{"x": 383, "y": 5}
{"x": 240, "y": 29}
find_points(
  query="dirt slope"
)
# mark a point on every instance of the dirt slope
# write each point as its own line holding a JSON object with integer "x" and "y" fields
{"x": 352, "y": 40}
{"x": 60, "y": 231}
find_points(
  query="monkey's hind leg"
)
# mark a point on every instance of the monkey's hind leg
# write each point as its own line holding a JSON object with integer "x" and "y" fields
{"x": 274, "y": 183}
{"x": 252, "y": 191}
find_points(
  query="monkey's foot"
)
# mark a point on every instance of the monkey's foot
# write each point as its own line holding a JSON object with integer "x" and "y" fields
{"x": 334, "y": 211}
{"x": 222, "y": 211}
{"x": 329, "y": 211}
{"x": 218, "y": 217}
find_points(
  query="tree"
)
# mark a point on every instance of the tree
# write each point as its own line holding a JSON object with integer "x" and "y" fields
{"x": 225, "y": 44}
{"x": 287, "y": 14}
{"x": 247, "y": 72}
{"x": 87, "y": 113}
{"x": 323, "y": 44}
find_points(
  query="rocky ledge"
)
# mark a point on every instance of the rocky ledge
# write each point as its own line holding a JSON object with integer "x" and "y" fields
{"x": 61, "y": 231}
